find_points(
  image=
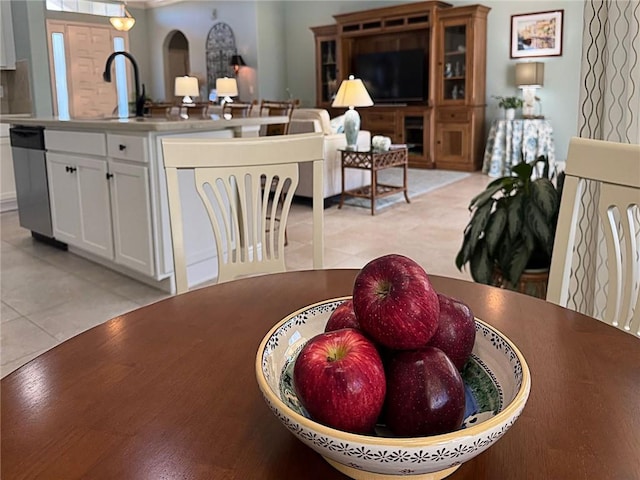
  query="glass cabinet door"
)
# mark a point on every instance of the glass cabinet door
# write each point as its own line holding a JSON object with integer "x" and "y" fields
{"x": 328, "y": 70}
{"x": 454, "y": 68}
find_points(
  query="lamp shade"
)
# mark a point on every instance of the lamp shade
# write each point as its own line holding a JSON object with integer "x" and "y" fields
{"x": 186, "y": 87}
{"x": 124, "y": 23}
{"x": 226, "y": 87}
{"x": 352, "y": 93}
{"x": 530, "y": 74}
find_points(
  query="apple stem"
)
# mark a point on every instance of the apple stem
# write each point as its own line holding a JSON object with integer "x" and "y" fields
{"x": 336, "y": 353}
{"x": 384, "y": 288}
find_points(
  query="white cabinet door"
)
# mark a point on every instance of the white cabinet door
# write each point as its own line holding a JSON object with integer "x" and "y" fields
{"x": 79, "y": 193}
{"x": 131, "y": 213}
{"x": 64, "y": 198}
{"x": 95, "y": 211}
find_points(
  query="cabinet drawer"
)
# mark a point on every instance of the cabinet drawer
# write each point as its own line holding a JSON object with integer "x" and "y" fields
{"x": 127, "y": 147}
{"x": 451, "y": 115}
{"x": 86, "y": 143}
{"x": 379, "y": 120}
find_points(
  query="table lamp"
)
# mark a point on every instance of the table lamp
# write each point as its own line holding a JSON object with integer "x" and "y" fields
{"x": 186, "y": 87}
{"x": 226, "y": 88}
{"x": 529, "y": 77}
{"x": 352, "y": 93}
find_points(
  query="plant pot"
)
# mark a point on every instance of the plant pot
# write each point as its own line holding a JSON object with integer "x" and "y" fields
{"x": 510, "y": 113}
{"x": 532, "y": 282}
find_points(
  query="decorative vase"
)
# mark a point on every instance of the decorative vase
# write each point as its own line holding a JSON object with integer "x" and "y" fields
{"x": 510, "y": 113}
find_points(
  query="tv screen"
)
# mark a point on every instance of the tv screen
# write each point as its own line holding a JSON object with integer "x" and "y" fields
{"x": 398, "y": 76}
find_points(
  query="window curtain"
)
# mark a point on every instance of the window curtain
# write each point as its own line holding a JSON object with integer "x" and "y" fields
{"x": 609, "y": 110}
{"x": 609, "y": 106}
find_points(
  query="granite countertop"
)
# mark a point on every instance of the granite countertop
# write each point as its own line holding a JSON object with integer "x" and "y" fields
{"x": 151, "y": 124}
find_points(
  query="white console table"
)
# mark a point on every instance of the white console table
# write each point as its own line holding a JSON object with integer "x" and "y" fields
{"x": 511, "y": 141}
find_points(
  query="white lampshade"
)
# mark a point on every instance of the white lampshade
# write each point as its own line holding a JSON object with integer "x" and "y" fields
{"x": 186, "y": 87}
{"x": 352, "y": 93}
{"x": 226, "y": 87}
{"x": 530, "y": 74}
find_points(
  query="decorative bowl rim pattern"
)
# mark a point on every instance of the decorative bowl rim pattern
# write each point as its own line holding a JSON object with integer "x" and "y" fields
{"x": 508, "y": 412}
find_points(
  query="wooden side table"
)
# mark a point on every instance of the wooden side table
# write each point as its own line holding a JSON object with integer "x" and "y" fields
{"x": 374, "y": 161}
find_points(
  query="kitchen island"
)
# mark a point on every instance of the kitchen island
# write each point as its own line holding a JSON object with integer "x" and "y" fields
{"x": 108, "y": 196}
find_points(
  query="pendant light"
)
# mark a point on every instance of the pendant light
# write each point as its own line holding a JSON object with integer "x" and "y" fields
{"x": 124, "y": 23}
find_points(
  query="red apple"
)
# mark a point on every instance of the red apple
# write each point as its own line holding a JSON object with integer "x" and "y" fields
{"x": 456, "y": 332}
{"x": 342, "y": 317}
{"x": 339, "y": 379}
{"x": 425, "y": 393}
{"x": 395, "y": 302}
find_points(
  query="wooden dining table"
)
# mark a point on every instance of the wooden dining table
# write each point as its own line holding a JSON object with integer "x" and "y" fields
{"x": 168, "y": 391}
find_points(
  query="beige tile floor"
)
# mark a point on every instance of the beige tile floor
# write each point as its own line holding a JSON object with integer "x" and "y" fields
{"x": 49, "y": 295}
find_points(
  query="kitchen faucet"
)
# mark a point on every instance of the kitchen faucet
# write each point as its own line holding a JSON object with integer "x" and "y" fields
{"x": 139, "y": 96}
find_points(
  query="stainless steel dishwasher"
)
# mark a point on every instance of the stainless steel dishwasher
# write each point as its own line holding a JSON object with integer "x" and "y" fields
{"x": 32, "y": 189}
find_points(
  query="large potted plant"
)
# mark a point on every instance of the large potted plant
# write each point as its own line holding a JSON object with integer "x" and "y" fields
{"x": 512, "y": 228}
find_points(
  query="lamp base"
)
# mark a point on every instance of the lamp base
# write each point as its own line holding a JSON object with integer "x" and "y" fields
{"x": 351, "y": 128}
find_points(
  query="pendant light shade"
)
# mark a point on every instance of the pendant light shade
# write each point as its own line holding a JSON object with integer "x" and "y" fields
{"x": 124, "y": 23}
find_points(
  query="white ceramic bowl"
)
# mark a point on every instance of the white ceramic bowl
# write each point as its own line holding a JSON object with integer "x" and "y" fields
{"x": 497, "y": 383}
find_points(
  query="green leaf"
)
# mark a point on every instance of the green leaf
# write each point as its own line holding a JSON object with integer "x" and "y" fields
{"x": 515, "y": 216}
{"x": 479, "y": 222}
{"x": 482, "y": 198}
{"x": 528, "y": 237}
{"x": 517, "y": 263}
{"x": 465, "y": 252}
{"x": 545, "y": 197}
{"x": 540, "y": 227}
{"x": 481, "y": 265}
{"x": 523, "y": 170}
{"x": 495, "y": 228}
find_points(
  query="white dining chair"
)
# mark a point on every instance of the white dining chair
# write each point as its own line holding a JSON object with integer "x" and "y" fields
{"x": 595, "y": 266}
{"x": 230, "y": 175}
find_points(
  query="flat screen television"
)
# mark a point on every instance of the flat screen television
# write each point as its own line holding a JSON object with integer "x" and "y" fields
{"x": 390, "y": 77}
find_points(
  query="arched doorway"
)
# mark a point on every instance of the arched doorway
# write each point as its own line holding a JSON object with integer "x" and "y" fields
{"x": 176, "y": 55}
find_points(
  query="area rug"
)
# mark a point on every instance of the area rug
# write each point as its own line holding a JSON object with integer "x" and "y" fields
{"x": 420, "y": 181}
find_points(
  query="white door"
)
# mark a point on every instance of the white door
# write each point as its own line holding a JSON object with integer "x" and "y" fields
{"x": 131, "y": 213}
{"x": 64, "y": 198}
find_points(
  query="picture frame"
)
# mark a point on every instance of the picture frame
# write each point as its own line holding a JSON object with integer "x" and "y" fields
{"x": 537, "y": 34}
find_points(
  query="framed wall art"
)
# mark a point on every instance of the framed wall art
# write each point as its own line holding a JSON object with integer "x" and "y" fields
{"x": 536, "y": 34}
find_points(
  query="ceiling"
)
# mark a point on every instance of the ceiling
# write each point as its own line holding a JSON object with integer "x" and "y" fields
{"x": 151, "y": 3}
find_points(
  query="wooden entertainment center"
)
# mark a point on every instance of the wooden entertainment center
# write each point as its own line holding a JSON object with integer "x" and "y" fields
{"x": 444, "y": 129}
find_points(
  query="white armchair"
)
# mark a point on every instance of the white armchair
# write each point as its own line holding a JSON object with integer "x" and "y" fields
{"x": 306, "y": 120}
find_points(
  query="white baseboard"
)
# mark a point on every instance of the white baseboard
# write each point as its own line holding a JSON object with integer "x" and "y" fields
{"x": 8, "y": 204}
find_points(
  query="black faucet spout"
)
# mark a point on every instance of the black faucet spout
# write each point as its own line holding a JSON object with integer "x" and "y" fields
{"x": 140, "y": 96}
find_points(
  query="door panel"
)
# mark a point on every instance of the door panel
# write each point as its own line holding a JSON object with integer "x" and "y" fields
{"x": 64, "y": 197}
{"x": 95, "y": 214}
{"x": 131, "y": 211}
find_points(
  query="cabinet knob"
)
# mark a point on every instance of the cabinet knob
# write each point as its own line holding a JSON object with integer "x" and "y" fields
{"x": 122, "y": 147}
{"x": 109, "y": 175}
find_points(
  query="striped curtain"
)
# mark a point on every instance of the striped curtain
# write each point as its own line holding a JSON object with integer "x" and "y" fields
{"x": 609, "y": 109}
{"x": 610, "y": 79}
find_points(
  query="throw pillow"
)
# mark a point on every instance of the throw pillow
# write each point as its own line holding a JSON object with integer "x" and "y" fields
{"x": 337, "y": 124}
